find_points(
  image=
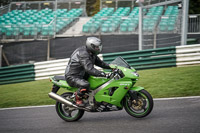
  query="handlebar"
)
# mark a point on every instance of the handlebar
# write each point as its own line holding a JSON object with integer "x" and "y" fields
{"x": 115, "y": 71}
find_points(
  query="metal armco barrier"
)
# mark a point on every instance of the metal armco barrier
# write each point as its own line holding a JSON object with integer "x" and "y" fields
{"x": 48, "y": 68}
{"x": 188, "y": 55}
{"x": 16, "y": 74}
{"x": 146, "y": 59}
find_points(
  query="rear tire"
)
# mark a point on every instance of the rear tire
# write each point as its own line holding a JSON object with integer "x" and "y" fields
{"x": 67, "y": 113}
{"x": 141, "y": 108}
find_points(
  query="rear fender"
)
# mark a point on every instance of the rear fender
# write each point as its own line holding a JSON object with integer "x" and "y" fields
{"x": 55, "y": 82}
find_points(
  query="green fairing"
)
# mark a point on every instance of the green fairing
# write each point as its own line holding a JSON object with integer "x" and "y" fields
{"x": 96, "y": 82}
{"x": 127, "y": 72}
{"x": 127, "y": 81}
{"x": 117, "y": 96}
{"x": 137, "y": 88}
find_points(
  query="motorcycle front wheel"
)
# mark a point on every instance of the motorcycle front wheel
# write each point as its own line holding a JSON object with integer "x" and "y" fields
{"x": 139, "y": 107}
{"x": 67, "y": 113}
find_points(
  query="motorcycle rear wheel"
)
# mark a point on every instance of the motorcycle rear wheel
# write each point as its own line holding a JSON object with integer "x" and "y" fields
{"x": 67, "y": 113}
{"x": 140, "y": 108}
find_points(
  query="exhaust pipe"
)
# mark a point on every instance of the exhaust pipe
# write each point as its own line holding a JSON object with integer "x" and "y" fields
{"x": 61, "y": 99}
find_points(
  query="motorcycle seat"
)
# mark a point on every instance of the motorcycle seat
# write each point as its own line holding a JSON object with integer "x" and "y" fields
{"x": 59, "y": 77}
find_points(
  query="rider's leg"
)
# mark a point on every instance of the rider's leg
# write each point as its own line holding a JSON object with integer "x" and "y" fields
{"x": 83, "y": 86}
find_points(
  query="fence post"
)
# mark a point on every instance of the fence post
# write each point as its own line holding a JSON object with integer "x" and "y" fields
{"x": 155, "y": 37}
{"x": 1, "y": 55}
{"x": 48, "y": 49}
{"x": 184, "y": 22}
{"x": 140, "y": 27}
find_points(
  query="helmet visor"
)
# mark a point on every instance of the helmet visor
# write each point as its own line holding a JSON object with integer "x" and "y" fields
{"x": 96, "y": 48}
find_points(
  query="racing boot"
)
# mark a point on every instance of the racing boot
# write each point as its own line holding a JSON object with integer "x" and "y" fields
{"x": 78, "y": 96}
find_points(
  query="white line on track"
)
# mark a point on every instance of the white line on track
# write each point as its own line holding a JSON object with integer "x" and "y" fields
{"x": 176, "y": 98}
{"x": 27, "y": 107}
{"x": 155, "y": 99}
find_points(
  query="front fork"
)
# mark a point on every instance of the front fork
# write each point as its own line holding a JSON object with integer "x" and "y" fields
{"x": 134, "y": 96}
{"x": 133, "y": 93}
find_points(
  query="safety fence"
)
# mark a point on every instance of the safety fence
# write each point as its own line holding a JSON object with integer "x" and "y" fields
{"x": 63, "y": 17}
{"x": 145, "y": 59}
{"x": 4, "y": 9}
{"x": 194, "y": 24}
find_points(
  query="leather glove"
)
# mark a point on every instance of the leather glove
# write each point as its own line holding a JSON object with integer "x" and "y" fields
{"x": 108, "y": 75}
{"x": 102, "y": 74}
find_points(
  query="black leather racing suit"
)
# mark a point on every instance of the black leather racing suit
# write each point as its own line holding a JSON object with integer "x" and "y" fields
{"x": 81, "y": 64}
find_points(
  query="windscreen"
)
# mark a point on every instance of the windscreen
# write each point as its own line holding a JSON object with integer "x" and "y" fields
{"x": 119, "y": 61}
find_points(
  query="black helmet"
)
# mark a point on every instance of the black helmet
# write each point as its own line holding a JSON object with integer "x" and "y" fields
{"x": 94, "y": 45}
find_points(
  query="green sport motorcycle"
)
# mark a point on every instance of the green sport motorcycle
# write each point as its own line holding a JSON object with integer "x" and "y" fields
{"x": 106, "y": 94}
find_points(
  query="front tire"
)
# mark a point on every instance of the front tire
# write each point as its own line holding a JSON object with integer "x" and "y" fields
{"x": 67, "y": 113}
{"x": 140, "y": 108}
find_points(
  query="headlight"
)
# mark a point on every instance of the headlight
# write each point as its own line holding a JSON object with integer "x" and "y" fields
{"x": 135, "y": 74}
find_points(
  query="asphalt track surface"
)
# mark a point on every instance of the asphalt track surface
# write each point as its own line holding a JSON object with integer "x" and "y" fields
{"x": 168, "y": 116}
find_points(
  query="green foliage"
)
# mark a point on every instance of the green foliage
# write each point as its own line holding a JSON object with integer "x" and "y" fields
{"x": 165, "y": 82}
{"x": 194, "y": 7}
{"x": 92, "y": 7}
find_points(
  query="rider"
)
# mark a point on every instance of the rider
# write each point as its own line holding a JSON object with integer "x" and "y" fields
{"x": 81, "y": 65}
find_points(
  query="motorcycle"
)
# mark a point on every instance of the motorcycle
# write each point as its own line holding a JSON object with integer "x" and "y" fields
{"x": 106, "y": 94}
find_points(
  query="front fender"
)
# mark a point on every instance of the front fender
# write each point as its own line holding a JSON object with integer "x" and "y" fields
{"x": 137, "y": 88}
{"x": 134, "y": 89}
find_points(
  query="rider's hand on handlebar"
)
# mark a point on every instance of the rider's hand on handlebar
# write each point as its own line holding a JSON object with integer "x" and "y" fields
{"x": 102, "y": 74}
{"x": 108, "y": 75}
{"x": 114, "y": 70}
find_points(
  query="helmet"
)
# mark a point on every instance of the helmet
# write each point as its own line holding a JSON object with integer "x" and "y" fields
{"x": 94, "y": 45}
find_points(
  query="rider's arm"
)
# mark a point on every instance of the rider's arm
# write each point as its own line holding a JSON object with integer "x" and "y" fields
{"x": 101, "y": 63}
{"x": 85, "y": 61}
